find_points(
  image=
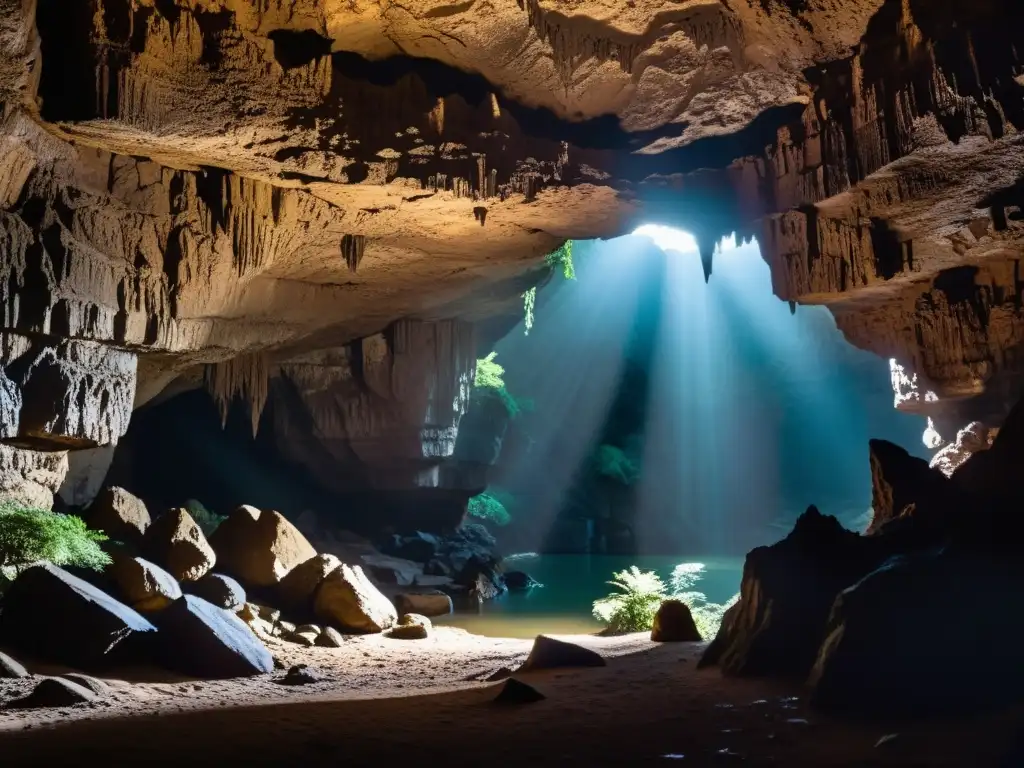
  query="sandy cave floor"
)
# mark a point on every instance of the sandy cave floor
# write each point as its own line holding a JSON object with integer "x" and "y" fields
{"x": 385, "y": 699}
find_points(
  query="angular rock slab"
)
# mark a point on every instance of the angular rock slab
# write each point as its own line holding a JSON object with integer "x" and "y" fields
{"x": 259, "y": 547}
{"x": 55, "y": 616}
{"x": 197, "y": 638}
{"x": 549, "y": 653}
{"x": 348, "y": 600}
{"x": 176, "y": 542}
{"x": 119, "y": 514}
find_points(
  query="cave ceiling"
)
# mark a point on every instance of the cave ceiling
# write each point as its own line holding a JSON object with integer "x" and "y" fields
{"x": 191, "y": 182}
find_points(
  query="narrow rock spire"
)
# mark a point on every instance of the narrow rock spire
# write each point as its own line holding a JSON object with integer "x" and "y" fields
{"x": 707, "y": 253}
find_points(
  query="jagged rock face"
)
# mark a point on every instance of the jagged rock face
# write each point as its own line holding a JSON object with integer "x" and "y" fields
{"x": 236, "y": 193}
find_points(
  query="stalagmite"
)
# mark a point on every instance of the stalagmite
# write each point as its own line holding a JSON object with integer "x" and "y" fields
{"x": 247, "y": 377}
{"x": 792, "y": 307}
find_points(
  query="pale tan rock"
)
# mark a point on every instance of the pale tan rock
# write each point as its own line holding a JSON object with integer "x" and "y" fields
{"x": 424, "y": 603}
{"x": 142, "y": 584}
{"x": 411, "y": 627}
{"x": 259, "y": 548}
{"x": 348, "y": 600}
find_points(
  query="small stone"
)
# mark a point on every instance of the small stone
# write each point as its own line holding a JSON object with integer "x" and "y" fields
{"x": 502, "y": 673}
{"x": 54, "y": 692}
{"x": 10, "y": 667}
{"x": 286, "y": 627}
{"x": 300, "y": 675}
{"x": 311, "y": 628}
{"x": 673, "y": 623}
{"x": 517, "y": 692}
{"x": 306, "y": 639}
{"x": 267, "y": 613}
{"x": 330, "y": 638}
{"x": 411, "y": 626}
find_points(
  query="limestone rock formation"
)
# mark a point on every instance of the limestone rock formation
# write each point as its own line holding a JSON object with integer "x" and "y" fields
{"x": 31, "y": 478}
{"x": 312, "y": 203}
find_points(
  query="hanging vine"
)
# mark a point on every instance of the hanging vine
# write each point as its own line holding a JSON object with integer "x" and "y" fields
{"x": 561, "y": 259}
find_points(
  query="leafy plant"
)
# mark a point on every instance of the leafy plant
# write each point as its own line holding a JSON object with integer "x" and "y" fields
{"x": 28, "y": 535}
{"x": 560, "y": 258}
{"x": 487, "y": 506}
{"x": 489, "y": 382}
{"x": 632, "y": 608}
{"x": 205, "y": 519}
{"x": 640, "y": 594}
{"x": 612, "y": 462}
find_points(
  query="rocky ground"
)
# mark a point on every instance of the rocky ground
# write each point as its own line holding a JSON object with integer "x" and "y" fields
{"x": 381, "y": 699}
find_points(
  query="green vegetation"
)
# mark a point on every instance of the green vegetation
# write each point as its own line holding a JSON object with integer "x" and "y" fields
{"x": 632, "y": 608}
{"x": 28, "y": 535}
{"x": 560, "y": 259}
{"x": 489, "y": 507}
{"x": 612, "y": 462}
{"x": 205, "y": 519}
{"x": 489, "y": 382}
{"x": 640, "y": 593}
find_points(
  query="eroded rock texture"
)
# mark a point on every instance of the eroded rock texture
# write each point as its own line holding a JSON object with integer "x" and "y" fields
{"x": 311, "y": 202}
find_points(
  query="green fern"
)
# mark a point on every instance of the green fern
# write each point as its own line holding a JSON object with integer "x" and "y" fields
{"x": 632, "y": 608}
{"x": 489, "y": 382}
{"x": 612, "y": 462}
{"x": 28, "y": 535}
{"x": 205, "y": 519}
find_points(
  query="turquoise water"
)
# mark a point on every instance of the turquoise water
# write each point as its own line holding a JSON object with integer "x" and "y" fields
{"x": 571, "y": 584}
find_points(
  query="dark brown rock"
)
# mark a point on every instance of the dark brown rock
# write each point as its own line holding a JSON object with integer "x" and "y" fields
{"x": 673, "y": 623}
{"x": 176, "y": 542}
{"x": 901, "y": 485}
{"x": 549, "y": 653}
{"x": 119, "y": 514}
{"x": 221, "y": 590}
{"x": 927, "y": 634}
{"x": 786, "y": 594}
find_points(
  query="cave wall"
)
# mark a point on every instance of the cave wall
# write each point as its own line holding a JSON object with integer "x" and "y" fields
{"x": 212, "y": 192}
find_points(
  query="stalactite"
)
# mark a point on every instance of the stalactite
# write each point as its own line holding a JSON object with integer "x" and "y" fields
{"x": 247, "y": 377}
{"x": 480, "y": 213}
{"x": 352, "y": 248}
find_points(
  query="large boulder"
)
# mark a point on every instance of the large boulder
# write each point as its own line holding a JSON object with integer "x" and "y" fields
{"x": 933, "y": 633}
{"x": 221, "y": 590}
{"x": 349, "y": 601}
{"x": 298, "y": 587}
{"x": 176, "y": 542}
{"x": 786, "y": 595}
{"x": 144, "y": 585}
{"x": 259, "y": 547}
{"x": 119, "y": 514}
{"x": 673, "y": 623}
{"x": 55, "y": 616}
{"x": 198, "y": 638}
{"x": 433, "y": 603}
{"x": 903, "y": 485}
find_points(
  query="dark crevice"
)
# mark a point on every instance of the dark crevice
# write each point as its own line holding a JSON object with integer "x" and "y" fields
{"x": 298, "y": 48}
{"x": 888, "y": 249}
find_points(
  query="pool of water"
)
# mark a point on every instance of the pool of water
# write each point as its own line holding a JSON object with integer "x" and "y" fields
{"x": 571, "y": 583}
